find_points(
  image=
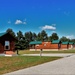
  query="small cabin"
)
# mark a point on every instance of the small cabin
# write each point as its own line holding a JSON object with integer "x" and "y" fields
{"x": 71, "y": 45}
{"x": 7, "y": 43}
{"x": 46, "y": 46}
{"x": 56, "y": 44}
{"x": 34, "y": 44}
{"x": 65, "y": 45}
{"x": 74, "y": 45}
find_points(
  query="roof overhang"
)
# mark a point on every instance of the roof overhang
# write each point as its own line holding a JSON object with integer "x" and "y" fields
{"x": 35, "y": 42}
{"x": 56, "y": 41}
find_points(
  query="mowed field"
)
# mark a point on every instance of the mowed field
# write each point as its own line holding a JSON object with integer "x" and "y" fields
{"x": 10, "y": 64}
{"x": 37, "y": 52}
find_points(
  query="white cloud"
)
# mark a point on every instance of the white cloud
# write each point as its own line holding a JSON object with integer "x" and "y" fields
{"x": 20, "y": 22}
{"x": 48, "y": 27}
{"x": 70, "y": 37}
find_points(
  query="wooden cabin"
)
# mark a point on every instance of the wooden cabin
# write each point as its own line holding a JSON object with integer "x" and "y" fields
{"x": 74, "y": 45}
{"x": 34, "y": 44}
{"x": 7, "y": 43}
{"x": 71, "y": 45}
{"x": 56, "y": 44}
{"x": 65, "y": 45}
{"x": 46, "y": 46}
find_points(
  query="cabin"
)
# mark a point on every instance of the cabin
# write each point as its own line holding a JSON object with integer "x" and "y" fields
{"x": 45, "y": 46}
{"x": 34, "y": 44}
{"x": 56, "y": 44}
{"x": 74, "y": 45}
{"x": 65, "y": 45}
{"x": 71, "y": 45}
{"x": 7, "y": 43}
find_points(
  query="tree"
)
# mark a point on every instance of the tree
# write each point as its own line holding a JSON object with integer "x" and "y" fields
{"x": 64, "y": 39}
{"x": 54, "y": 36}
{"x": 44, "y": 36}
{"x": 34, "y": 36}
{"x": 11, "y": 32}
{"x": 72, "y": 40}
{"x": 28, "y": 38}
{"x": 39, "y": 37}
{"x": 21, "y": 41}
{"x": 50, "y": 38}
{"x": 19, "y": 35}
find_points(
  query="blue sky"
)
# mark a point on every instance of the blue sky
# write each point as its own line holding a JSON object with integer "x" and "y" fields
{"x": 35, "y": 15}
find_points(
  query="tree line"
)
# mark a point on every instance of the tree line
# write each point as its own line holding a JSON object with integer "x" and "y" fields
{"x": 27, "y": 37}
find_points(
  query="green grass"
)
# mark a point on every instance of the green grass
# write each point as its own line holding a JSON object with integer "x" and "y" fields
{"x": 37, "y": 52}
{"x": 9, "y": 64}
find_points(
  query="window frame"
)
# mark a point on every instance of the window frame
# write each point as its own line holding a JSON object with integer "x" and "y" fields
{"x": 7, "y": 45}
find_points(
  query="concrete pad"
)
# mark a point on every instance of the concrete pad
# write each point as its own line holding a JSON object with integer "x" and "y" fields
{"x": 2, "y": 54}
{"x": 52, "y": 54}
{"x": 8, "y": 55}
{"x": 64, "y": 66}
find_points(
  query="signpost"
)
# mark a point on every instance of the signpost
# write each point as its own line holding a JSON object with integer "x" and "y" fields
{"x": 40, "y": 52}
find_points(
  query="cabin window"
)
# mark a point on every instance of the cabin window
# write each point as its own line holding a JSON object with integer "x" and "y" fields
{"x": 44, "y": 44}
{"x": 7, "y": 45}
{"x": 37, "y": 45}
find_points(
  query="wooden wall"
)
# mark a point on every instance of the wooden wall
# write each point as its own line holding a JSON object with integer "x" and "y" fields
{"x": 46, "y": 45}
{"x": 64, "y": 46}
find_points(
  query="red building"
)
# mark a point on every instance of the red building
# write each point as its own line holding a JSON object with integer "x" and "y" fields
{"x": 54, "y": 45}
{"x": 44, "y": 45}
{"x": 7, "y": 43}
{"x": 71, "y": 45}
{"x": 65, "y": 45}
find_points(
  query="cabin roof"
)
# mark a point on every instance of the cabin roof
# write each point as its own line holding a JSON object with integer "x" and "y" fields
{"x": 56, "y": 41}
{"x": 65, "y": 43}
{"x": 71, "y": 43}
{"x": 1, "y": 34}
{"x": 35, "y": 42}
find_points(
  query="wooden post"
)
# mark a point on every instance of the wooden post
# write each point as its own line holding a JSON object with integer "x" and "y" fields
{"x": 17, "y": 51}
{"x": 40, "y": 52}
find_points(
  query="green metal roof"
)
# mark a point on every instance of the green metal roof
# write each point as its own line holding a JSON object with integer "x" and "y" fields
{"x": 35, "y": 42}
{"x": 1, "y": 34}
{"x": 55, "y": 41}
{"x": 71, "y": 43}
{"x": 65, "y": 43}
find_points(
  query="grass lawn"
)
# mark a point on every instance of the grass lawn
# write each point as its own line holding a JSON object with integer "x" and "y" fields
{"x": 37, "y": 52}
{"x": 9, "y": 64}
